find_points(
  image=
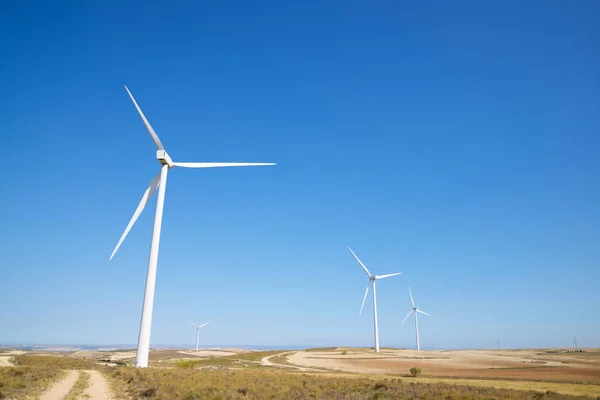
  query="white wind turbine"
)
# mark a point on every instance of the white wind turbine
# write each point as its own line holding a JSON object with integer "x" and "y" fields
{"x": 198, "y": 331}
{"x": 159, "y": 182}
{"x": 372, "y": 279}
{"x": 415, "y": 310}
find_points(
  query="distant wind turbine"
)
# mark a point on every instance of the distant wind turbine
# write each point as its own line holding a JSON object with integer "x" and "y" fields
{"x": 372, "y": 279}
{"x": 415, "y": 310}
{"x": 198, "y": 331}
{"x": 159, "y": 182}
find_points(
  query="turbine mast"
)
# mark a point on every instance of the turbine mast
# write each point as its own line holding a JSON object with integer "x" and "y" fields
{"x": 143, "y": 349}
{"x": 197, "y": 337}
{"x": 375, "y": 318}
{"x": 417, "y": 329}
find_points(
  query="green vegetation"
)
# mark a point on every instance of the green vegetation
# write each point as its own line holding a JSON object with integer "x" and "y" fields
{"x": 255, "y": 355}
{"x": 23, "y": 382}
{"x": 244, "y": 360}
{"x": 415, "y": 372}
{"x": 83, "y": 381}
{"x": 218, "y": 363}
{"x": 344, "y": 352}
{"x": 189, "y": 384}
{"x": 325, "y": 349}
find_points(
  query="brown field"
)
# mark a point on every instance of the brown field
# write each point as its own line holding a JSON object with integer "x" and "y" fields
{"x": 530, "y": 365}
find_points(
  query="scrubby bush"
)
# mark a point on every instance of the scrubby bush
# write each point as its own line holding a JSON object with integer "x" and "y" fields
{"x": 414, "y": 371}
{"x": 344, "y": 352}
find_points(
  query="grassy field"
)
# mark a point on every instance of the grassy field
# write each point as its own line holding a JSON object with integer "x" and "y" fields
{"x": 54, "y": 361}
{"x": 242, "y": 360}
{"x": 189, "y": 384}
{"x": 242, "y": 377}
{"x": 24, "y": 381}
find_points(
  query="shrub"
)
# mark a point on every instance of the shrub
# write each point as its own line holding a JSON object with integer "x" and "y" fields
{"x": 344, "y": 352}
{"x": 150, "y": 392}
{"x": 414, "y": 371}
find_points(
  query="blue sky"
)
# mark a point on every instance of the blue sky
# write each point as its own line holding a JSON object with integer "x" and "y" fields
{"x": 456, "y": 142}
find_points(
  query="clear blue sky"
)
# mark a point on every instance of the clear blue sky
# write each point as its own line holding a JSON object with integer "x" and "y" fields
{"x": 456, "y": 142}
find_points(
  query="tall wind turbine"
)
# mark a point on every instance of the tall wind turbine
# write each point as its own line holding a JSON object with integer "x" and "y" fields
{"x": 415, "y": 310}
{"x": 372, "y": 279}
{"x": 198, "y": 331}
{"x": 159, "y": 182}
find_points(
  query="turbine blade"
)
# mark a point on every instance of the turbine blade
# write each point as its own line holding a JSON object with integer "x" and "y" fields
{"x": 423, "y": 312}
{"x": 407, "y": 316}
{"x": 364, "y": 298}
{"x": 147, "y": 195}
{"x": 204, "y": 324}
{"x": 360, "y": 262}
{"x": 411, "y": 299}
{"x": 153, "y": 134}
{"x": 216, "y": 164}
{"x": 193, "y": 323}
{"x": 388, "y": 275}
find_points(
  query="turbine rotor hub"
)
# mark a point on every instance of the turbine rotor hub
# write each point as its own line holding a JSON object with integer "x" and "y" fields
{"x": 164, "y": 158}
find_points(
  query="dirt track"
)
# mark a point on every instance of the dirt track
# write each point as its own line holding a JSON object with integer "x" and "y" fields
{"x": 98, "y": 388}
{"x": 61, "y": 388}
{"x": 5, "y": 361}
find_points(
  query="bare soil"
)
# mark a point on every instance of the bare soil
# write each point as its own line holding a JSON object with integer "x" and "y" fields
{"x": 61, "y": 388}
{"x": 486, "y": 364}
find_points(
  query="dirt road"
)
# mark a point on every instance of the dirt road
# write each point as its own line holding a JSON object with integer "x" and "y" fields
{"x": 266, "y": 361}
{"x": 98, "y": 388}
{"x": 60, "y": 389}
{"x": 5, "y": 361}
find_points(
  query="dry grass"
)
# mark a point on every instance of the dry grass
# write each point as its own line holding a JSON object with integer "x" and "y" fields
{"x": 574, "y": 389}
{"x": 25, "y": 381}
{"x": 218, "y": 363}
{"x": 54, "y": 361}
{"x": 82, "y": 382}
{"x": 188, "y": 384}
{"x": 256, "y": 355}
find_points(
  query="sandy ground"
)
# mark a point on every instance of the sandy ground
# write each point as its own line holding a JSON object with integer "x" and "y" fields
{"x": 516, "y": 364}
{"x": 6, "y": 356}
{"x": 266, "y": 361}
{"x": 5, "y": 361}
{"x": 98, "y": 388}
{"x": 208, "y": 353}
{"x": 60, "y": 389}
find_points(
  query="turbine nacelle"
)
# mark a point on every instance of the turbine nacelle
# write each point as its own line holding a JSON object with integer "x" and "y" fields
{"x": 164, "y": 158}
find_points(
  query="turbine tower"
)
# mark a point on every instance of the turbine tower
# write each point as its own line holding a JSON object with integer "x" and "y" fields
{"x": 415, "y": 310}
{"x": 372, "y": 279}
{"x": 198, "y": 331}
{"x": 159, "y": 182}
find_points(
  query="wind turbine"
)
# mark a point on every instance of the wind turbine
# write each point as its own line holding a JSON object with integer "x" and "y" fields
{"x": 198, "y": 331}
{"x": 415, "y": 310}
{"x": 159, "y": 182}
{"x": 372, "y": 279}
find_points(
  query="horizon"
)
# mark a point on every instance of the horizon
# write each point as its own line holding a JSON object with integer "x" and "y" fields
{"x": 133, "y": 347}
